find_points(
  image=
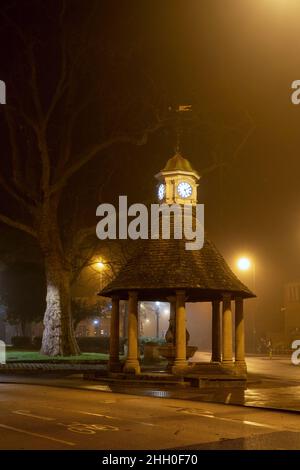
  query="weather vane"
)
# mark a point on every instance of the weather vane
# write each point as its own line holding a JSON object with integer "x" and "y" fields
{"x": 181, "y": 110}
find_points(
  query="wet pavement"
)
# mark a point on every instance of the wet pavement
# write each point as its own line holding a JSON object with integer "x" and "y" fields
{"x": 273, "y": 384}
{"x": 274, "y": 440}
{"x": 58, "y": 409}
{"x": 57, "y": 417}
{"x": 284, "y": 397}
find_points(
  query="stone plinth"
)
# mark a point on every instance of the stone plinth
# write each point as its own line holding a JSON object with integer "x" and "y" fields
{"x": 169, "y": 352}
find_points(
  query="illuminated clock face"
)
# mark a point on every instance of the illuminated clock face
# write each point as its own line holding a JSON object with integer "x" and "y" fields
{"x": 184, "y": 189}
{"x": 161, "y": 191}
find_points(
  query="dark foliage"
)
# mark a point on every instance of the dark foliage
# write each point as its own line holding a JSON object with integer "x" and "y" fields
{"x": 23, "y": 287}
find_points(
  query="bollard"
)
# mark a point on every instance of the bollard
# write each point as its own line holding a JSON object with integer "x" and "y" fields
{"x": 2, "y": 352}
{"x": 2, "y": 92}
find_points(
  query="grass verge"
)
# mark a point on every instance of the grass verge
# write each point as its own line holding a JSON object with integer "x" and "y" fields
{"x": 35, "y": 356}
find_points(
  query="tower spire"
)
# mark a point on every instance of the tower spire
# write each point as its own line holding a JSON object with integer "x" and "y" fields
{"x": 178, "y": 140}
{"x": 181, "y": 111}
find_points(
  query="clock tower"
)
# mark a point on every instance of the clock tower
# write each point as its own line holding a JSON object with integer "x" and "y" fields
{"x": 178, "y": 182}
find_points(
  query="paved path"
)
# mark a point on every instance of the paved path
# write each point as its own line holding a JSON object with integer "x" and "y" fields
{"x": 279, "y": 368}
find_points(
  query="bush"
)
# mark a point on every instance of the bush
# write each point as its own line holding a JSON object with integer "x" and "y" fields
{"x": 150, "y": 339}
{"x": 93, "y": 344}
{"x": 21, "y": 342}
{"x": 37, "y": 343}
{"x": 99, "y": 344}
{"x": 85, "y": 343}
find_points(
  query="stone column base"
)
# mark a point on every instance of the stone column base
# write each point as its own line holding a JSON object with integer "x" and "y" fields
{"x": 132, "y": 367}
{"x": 227, "y": 365}
{"x": 240, "y": 366}
{"x": 216, "y": 360}
{"x": 179, "y": 368}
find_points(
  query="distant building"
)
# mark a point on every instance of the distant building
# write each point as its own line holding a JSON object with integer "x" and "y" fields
{"x": 90, "y": 327}
{"x": 291, "y": 310}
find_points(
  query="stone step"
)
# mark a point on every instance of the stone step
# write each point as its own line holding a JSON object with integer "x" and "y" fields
{"x": 207, "y": 370}
{"x": 214, "y": 381}
{"x": 141, "y": 379}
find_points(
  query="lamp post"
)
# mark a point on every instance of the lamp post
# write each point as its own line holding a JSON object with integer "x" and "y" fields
{"x": 100, "y": 265}
{"x": 157, "y": 314}
{"x": 96, "y": 324}
{"x": 246, "y": 264}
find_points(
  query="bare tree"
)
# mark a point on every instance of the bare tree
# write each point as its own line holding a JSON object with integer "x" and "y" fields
{"x": 67, "y": 106}
{"x": 46, "y": 149}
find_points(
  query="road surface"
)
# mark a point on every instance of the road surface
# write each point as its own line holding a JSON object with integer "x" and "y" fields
{"x": 49, "y": 417}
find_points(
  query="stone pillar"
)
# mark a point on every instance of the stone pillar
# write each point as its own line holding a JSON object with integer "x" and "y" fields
{"x": 114, "y": 361}
{"x": 216, "y": 332}
{"x": 132, "y": 364}
{"x": 180, "y": 362}
{"x": 227, "y": 331}
{"x": 124, "y": 319}
{"x": 239, "y": 334}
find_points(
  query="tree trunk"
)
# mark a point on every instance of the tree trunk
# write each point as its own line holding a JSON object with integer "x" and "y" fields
{"x": 58, "y": 336}
{"x": 23, "y": 328}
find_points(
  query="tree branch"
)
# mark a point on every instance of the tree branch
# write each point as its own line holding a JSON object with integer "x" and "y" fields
{"x": 29, "y": 207}
{"x": 41, "y": 129}
{"x": 222, "y": 163}
{"x": 246, "y": 137}
{"x": 61, "y": 84}
{"x": 16, "y": 170}
{"x": 28, "y": 119}
{"x": 95, "y": 149}
{"x": 18, "y": 225}
{"x": 84, "y": 233}
{"x": 67, "y": 143}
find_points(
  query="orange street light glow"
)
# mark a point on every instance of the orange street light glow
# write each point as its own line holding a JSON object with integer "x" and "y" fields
{"x": 244, "y": 264}
{"x": 100, "y": 264}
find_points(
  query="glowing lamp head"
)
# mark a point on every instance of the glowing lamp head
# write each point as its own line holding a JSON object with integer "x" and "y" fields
{"x": 244, "y": 264}
{"x": 100, "y": 265}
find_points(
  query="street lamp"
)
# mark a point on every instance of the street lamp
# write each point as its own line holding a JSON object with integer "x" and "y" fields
{"x": 245, "y": 264}
{"x": 100, "y": 265}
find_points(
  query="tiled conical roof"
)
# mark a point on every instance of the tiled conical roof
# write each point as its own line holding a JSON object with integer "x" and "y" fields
{"x": 158, "y": 268}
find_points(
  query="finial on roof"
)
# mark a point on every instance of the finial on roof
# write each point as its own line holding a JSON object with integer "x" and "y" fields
{"x": 181, "y": 110}
{"x": 178, "y": 141}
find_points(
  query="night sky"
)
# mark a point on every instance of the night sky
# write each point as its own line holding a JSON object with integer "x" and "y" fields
{"x": 234, "y": 61}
